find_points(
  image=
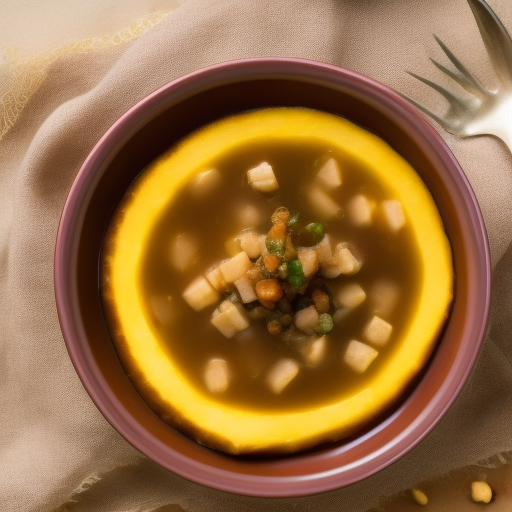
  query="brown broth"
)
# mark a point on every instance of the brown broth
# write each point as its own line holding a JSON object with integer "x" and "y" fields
{"x": 192, "y": 341}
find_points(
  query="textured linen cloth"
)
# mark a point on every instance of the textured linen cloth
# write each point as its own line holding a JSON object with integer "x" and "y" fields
{"x": 56, "y": 450}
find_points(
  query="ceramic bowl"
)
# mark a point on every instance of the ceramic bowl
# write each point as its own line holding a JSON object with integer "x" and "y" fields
{"x": 149, "y": 129}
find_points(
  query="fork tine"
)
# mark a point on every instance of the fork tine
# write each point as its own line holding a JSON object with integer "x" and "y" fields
{"x": 429, "y": 113}
{"x": 496, "y": 39}
{"x": 466, "y": 80}
{"x": 455, "y": 103}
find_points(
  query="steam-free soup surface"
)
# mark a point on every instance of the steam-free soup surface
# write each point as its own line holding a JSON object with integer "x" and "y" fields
{"x": 208, "y": 217}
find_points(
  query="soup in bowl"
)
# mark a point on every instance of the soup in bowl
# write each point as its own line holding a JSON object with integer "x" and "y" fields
{"x": 272, "y": 257}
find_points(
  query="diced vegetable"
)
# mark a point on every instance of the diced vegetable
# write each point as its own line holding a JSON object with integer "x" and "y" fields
{"x": 321, "y": 301}
{"x": 200, "y": 294}
{"x": 206, "y": 182}
{"x": 312, "y": 234}
{"x": 377, "y": 331}
{"x": 350, "y": 295}
{"x": 329, "y": 175}
{"x": 262, "y": 178}
{"x": 271, "y": 262}
{"x": 309, "y": 261}
{"x": 343, "y": 262}
{"x": 295, "y": 275}
{"x": 184, "y": 252}
{"x": 235, "y": 267}
{"x": 324, "y": 250}
{"x": 245, "y": 289}
{"x": 281, "y": 214}
{"x": 217, "y": 375}
{"x": 306, "y": 319}
{"x": 323, "y": 204}
{"x": 359, "y": 356}
{"x": 281, "y": 374}
{"x": 346, "y": 261}
{"x": 268, "y": 290}
{"x": 359, "y": 210}
{"x": 313, "y": 350}
{"x": 325, "y": 324}
{"x": 384, "y": 296}
{"x": 250, "y": 243}
{"x": 229, "y": 318}
{"x": 393, "y": 215}
{"x": 215, "y": 277}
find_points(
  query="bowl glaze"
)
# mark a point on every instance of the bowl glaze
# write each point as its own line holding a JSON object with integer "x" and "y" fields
{"x": 149, "y": 129}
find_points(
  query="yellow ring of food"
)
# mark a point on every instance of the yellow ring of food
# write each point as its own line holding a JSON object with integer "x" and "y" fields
{"x": 238, "y": 430}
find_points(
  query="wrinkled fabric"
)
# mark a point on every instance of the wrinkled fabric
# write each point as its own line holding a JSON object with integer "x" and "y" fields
{"x": 56, "y": 450}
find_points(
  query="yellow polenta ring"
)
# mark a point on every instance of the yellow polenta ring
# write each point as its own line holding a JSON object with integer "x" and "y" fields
{"x": 234, "y": 429}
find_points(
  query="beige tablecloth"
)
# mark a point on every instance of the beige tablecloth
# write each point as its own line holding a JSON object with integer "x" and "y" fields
{"x": 55, "y": 106}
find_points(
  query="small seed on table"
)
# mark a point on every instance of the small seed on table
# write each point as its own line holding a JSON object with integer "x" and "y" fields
{"x": 419, "y": 497}
{"x": 481, "y": 492}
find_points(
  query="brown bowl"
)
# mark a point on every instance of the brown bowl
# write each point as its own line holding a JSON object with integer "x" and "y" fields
{"x": 150, "y": 128}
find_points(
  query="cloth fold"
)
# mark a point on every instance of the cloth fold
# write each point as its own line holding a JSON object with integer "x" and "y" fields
{"x": 52, "y": 438}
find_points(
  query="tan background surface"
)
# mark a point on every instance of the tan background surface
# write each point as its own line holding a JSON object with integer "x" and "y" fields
{"x": 53, "y": 441}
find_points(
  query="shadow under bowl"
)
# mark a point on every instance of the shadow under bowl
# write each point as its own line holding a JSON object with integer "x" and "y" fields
{"x": 148, "y": 130}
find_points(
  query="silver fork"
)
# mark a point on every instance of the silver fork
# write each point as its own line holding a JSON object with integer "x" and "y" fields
{"x": 484, "y": 112}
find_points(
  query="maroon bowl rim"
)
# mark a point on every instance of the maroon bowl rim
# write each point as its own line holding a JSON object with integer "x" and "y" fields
{"x": 283, "y": 483}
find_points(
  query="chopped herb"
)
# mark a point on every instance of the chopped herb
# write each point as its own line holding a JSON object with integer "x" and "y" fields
{"x": 293, "y": 221}
{"x": 275, "y": 246}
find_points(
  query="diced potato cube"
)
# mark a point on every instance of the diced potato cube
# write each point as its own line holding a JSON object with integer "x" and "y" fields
{"x": 235, "y": 267}
{"x": 229, "y": 319}
{"x": 377, "y": 331}
{"x": 215, "y": 277}
{"x": 323, "y": 204}
{"x": 314, "y": 350}
{"x": 251, "y": 243}
{"x": 306, "y": 319}
{"x": 393, "y": 215}
{"x": 281, "y": 374}
{"x": 343, "y": 262}
{"x": 200, "y": 294}
{"x": 359, "y": 210}
{"x": 350, "y": 295}
{"x": 249, "y": 216}
{"x": 217, "y": 375}
{"x": 346, "y": 261}
{"x": 324, "y": 250}
{"x": 384, "y": 296}
{"x": 262, "y": 178}
{"x": 309, "y": 261}
{"x": 161, "y": 307}
{"x": 359, "y": 356}
{"x": 184, "y": 252}
{"x": 245, "y": 289}
{"x": 205, "y": 182}
{"x": 329, "y": 175}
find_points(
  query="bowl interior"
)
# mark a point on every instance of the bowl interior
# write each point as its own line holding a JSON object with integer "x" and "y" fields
{"x": 148, "y": 130}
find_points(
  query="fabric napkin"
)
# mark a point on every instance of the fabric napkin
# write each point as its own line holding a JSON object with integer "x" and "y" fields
{"x": 56, "y": 450}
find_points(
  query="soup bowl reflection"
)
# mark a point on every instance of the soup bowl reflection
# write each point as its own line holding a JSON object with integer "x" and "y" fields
{"x": 148, "y": 130}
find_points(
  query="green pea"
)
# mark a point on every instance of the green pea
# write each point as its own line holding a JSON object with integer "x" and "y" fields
{"x": 296, "y": 281}
{"x": 315, "y": 227}
{"x": 295, "y": 268}
{"x": 325, "y": 323}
